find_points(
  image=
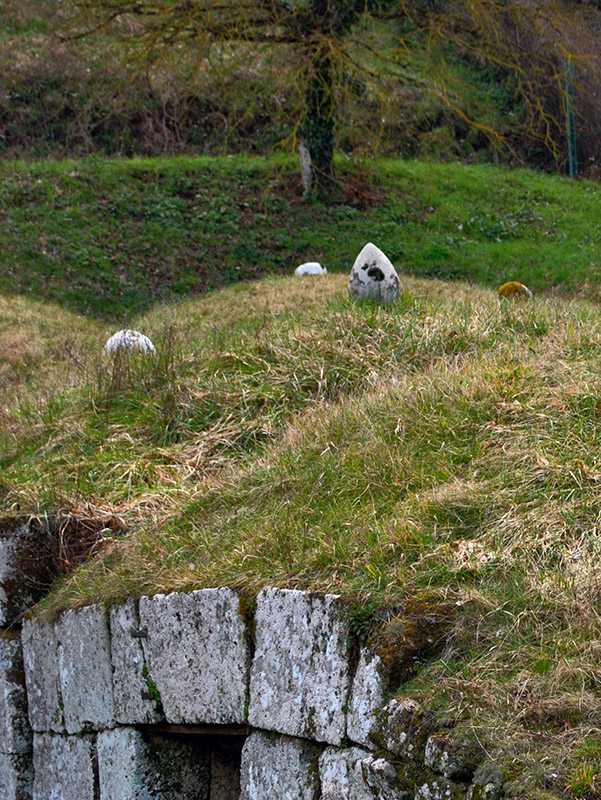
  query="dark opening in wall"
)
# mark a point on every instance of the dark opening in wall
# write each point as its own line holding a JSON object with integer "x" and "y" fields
{"x": 195, "y": 762}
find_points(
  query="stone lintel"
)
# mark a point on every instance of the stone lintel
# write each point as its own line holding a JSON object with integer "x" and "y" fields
{"x": 198, "y": 653}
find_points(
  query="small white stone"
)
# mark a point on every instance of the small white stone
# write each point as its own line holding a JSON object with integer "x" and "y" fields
{"x": 373, "y": 277}
{"x": 310, "y": 268}
{"x": 128, "y": 340}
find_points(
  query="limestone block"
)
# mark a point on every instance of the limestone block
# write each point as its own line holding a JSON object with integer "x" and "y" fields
{"x": 133, "y": 692}
{"x": 439, "y": 788}
{"x": 17, "y": 592}
{"x": 197, "y": 652}
{"x": 280, "y": 768}
{"x": 85, "y": 670}
{"x": 442, "y": 756}
{"x": 401, "y": 729}
{"x": 16, "y": 776}
{"x": 225, "y": 771}
{"x": 42, "y": 679}
{"x": 487, "y": 782}
{"x": 373, "y": 277}
{"x": 299, "y": 680}
{"x": 355, "y": 774}
{"x": 126, "y": 340}
{"x": 367, "y": 697}
{"x": 63, "y": 767}
{"x": 310, "y": 268}
{"x": 15, "y": 733}
{"x": 135, "y": 766}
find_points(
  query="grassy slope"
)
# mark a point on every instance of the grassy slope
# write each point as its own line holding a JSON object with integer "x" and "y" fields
{"x": 446, "y": 447}
{"x": 110, "y": 238}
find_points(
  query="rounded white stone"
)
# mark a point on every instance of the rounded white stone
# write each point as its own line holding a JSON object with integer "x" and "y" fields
{"x": 128, "y": 340}
{"x": 310, "y": 268}
{"x": 373, "y": 277}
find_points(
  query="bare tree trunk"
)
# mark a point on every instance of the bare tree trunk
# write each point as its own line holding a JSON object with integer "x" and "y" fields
{"x": 318, "y": 127}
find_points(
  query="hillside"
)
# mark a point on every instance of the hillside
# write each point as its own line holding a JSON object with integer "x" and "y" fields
{"x": 442, "y": 452}
{"x": 110, "y": 238}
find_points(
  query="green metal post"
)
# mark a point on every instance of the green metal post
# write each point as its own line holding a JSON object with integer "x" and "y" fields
{"x": 571, "y": 128}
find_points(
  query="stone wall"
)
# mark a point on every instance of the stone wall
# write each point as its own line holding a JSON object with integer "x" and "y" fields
{"x": 205, "y": 696}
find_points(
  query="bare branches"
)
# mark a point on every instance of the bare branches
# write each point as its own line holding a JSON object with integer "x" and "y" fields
{"x": 362, "y": 42}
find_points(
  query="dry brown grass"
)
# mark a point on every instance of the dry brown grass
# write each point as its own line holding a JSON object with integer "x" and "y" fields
{"x": 445, "y": 447}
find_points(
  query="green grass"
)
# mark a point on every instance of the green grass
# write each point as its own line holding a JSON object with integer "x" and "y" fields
{"x": 445, "y": 449}
{"x": 110, "y": 238}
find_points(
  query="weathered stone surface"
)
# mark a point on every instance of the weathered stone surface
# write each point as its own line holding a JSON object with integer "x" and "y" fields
{"x": 134, "y": 766}
{"x": 16, "y": 592}
{"x": 197, "y": 654}
{"x": 300, "y": 679}
{"x": 85, "y": 670}
{"x": 487, "y": 783}
{"x": 439, "y": 788}
{"x": 442, "y": 756}
{"x": 64, "y": 767}
{"x": 15, "y": 733}
{"x": 373, "y": 277}
{"x": 225, "y": 771}
{"x": 280, "y": 768}
{"x": 127, "y": 340}
{"x": 122, "y": 765}
{"x": 355, "y": 774}
{"x": 401, "y": 728}
{"x": 133, "y": 692}
{"x": 16, "y": 776}
{"x": 42, "y": 679}
{"x": 310, "y": 268}
{"x": 367, "y": 697}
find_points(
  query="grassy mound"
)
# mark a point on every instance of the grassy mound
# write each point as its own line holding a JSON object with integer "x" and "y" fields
{"x": 444, "y": 450}
{"x": 445, "y": 447}
{"x": 110, "y": 238}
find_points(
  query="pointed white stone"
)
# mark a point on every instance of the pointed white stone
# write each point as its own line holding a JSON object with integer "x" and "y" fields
{"x": 373, "y": 277}
{"x": 310, "y": 268}
{"x": 128, "y": 340}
